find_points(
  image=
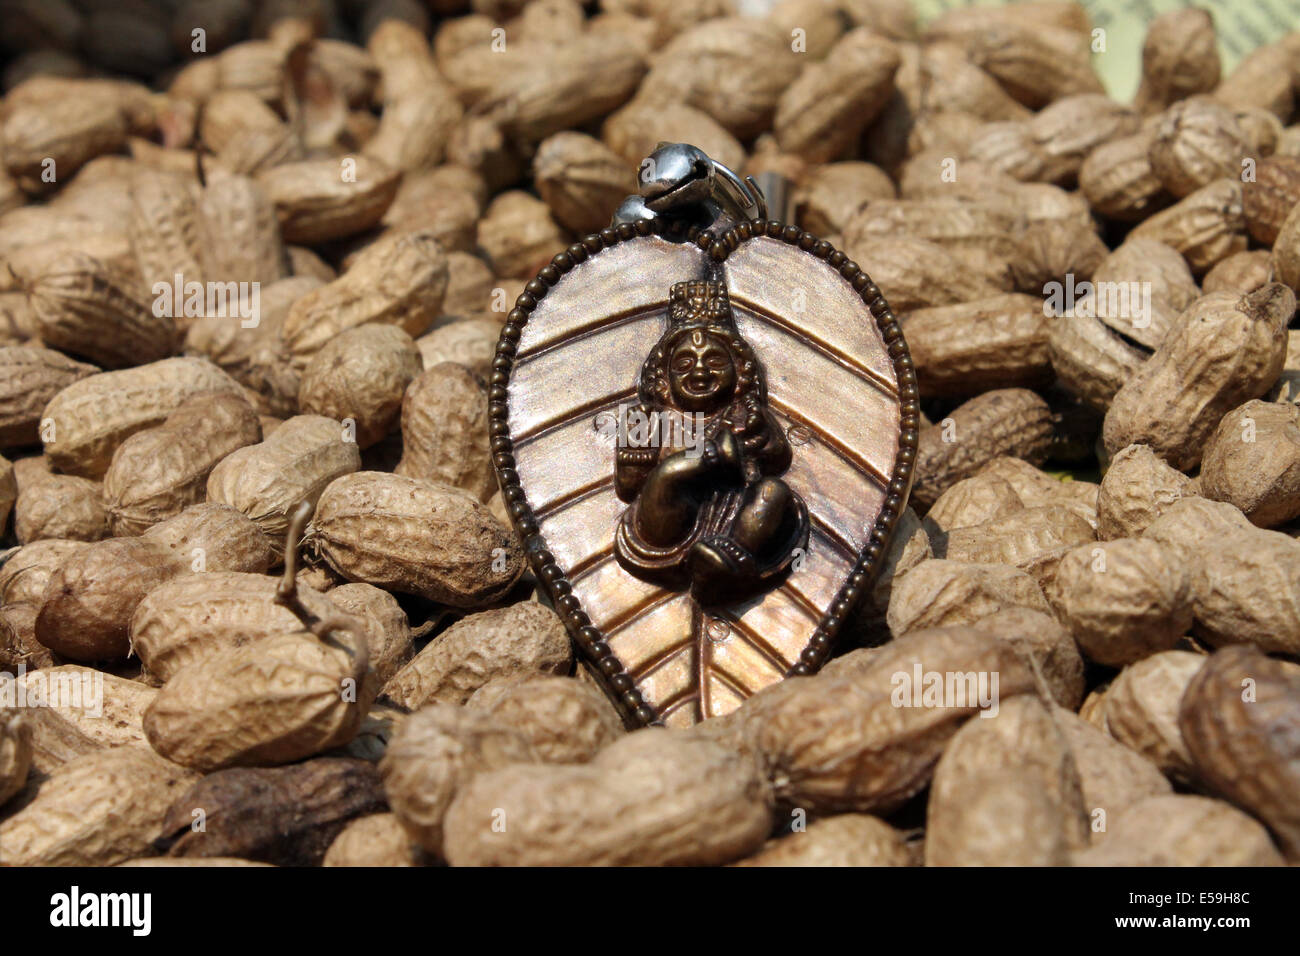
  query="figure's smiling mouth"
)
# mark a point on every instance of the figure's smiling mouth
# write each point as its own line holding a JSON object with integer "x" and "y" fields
{"x": 699, "y": 386}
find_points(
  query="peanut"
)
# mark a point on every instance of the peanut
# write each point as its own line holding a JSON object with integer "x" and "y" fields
{"x": 1239, "y": 711}
{"x": 1224, "y": 350}
{"x": 1182, "y": 830}
{"x": 444, "y": 430}
{"x": 1123, "y": 600}
{"x": 521, "y": 639}
{"x": 159, "y": 472}
{"x": 360, "y": 375}
{"x": 565, "y": 720}
{"x": 1252, "y": 460}
{"x": 849, "y": 839}
{"x": 416, "y": 537}
{"x": 376, "y": 840}
{"x": 29, "y": 377}
{"x": 651, "y": 798}
{"x": 434, "y": 753}
{"x": 97, "y": 810}
{"x": 286, "y": 816}
{"x": 296, "y": 463}
{"x": 90, "y": 418}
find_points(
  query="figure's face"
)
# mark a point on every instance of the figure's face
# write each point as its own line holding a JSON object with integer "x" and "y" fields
{"x": 701, "y": 373}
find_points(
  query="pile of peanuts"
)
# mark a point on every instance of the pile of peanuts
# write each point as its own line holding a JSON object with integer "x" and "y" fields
{"x": 254, "y": 262}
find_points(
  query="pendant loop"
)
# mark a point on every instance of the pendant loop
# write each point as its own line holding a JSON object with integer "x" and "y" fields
{"x": 681, "y": 181}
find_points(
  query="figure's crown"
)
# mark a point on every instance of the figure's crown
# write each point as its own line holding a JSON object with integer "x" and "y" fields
{"x": 699, "y": 302}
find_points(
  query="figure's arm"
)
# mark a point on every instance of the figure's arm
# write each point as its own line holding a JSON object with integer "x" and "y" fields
{"x": 632, "y": 466}
{"x": 775, "y": 455}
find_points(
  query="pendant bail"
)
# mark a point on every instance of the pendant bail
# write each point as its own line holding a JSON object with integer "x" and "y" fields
{"x": 681, "y": 181}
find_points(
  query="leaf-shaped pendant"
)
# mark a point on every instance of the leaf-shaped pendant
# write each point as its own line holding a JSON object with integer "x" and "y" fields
{"x": 705, "y": 439}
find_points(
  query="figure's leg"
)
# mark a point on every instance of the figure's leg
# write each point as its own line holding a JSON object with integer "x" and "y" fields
{"x": 667, "y": 505}
{"x": 766, "y": 516}
{"x": 726, "y": 568}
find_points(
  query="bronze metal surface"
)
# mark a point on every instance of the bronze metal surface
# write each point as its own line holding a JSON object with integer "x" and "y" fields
{"x": 840, "y": 387}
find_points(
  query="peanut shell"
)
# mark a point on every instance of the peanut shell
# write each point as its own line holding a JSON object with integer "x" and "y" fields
{"x": 444, "y": 430}
{"x": 1252, "y": 460}
{"x": 285, "y": 816}
{"x": 849, "y": 839}
{"x": 650, "y": 798}
{"x": 1137, "y": 488}
{"x": 1246, "y": 589}
{"x": 1224, "y": 350}
{"x": 1021, "y": 742}
{"x": 97, "y": 810}
{"x": 56, "y": 506}
{"x": 525, "y": 639}
{"x": 565, "y": 720}
{"x": 321, "y": 199}
{"x": 436, "y": 751}
{"x": 273, "y": 701}
{"x": 29, "y": 377}
{"x": 940, "y": 593}
{"x": 1141, "y": 708}
{"x": 157, "y": 473}
{"x": 1112, "y": 777}
{"x": 360, "y": 375}
{"x": 1009, "y": 421}
{"x": 1238, "y": 718}
{"x": 376, "y": 840}
{"x": 94, "y": 309}
{"x": 416, "y": 537}
{"x": 90, "y": 418}
{"x": 397, "y": 281}
{"x": 1123, "y": 600}
{"x": 1182, "y": 830}
{"x": 296, "y": 463}
{"x": 1180, "y": 58}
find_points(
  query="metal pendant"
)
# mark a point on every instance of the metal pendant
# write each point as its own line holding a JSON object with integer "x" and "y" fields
{"x": 704, "y": 424}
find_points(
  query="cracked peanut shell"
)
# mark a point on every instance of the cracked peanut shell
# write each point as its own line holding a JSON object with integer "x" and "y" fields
{"x": 1225, "y": 349}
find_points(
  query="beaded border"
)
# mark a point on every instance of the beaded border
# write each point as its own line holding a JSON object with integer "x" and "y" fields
{"x": 590, "y": 639}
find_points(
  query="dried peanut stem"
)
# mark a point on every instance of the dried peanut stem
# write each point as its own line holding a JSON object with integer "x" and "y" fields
{"x": 287, "y": 595}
